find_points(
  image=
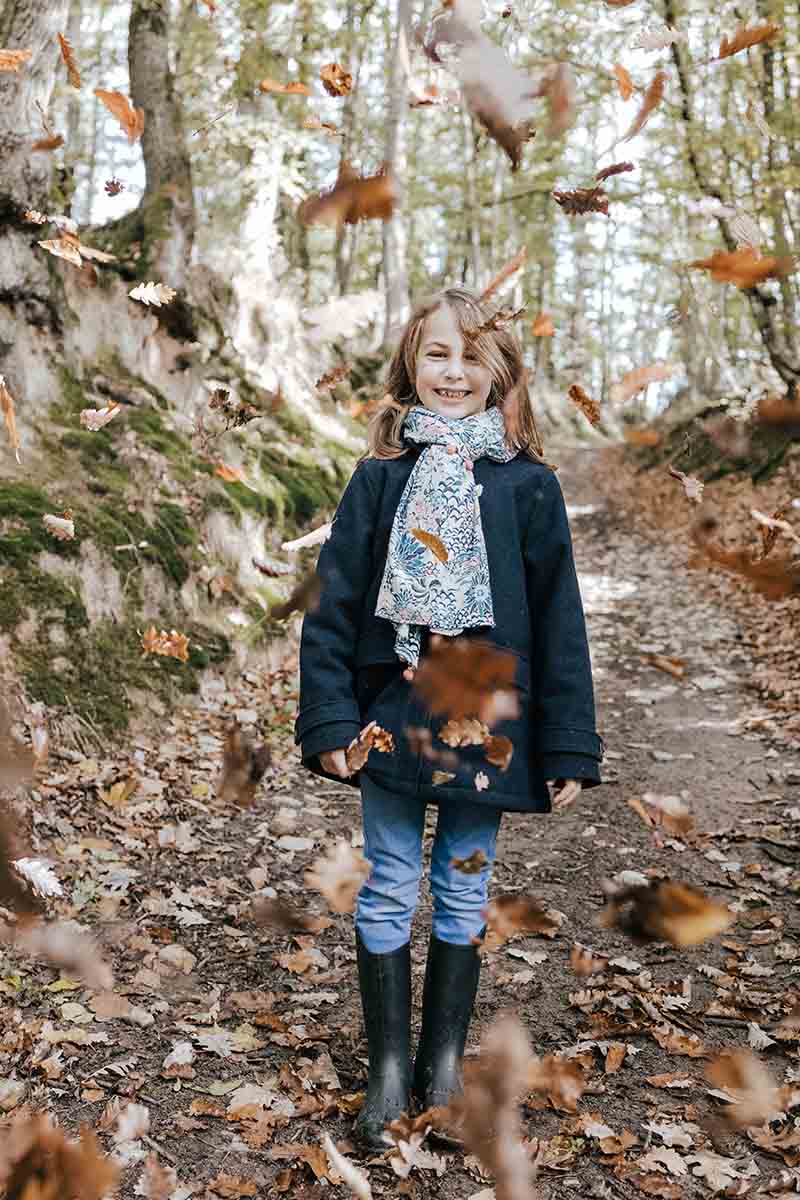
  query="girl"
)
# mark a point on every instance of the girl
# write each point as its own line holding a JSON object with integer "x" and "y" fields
{"x": 454, "y": 450}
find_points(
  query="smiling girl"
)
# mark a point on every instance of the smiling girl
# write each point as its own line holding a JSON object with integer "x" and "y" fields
{"x": 453, "y": 450}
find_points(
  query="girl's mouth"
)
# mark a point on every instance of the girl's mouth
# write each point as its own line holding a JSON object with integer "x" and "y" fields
{"x": 454, "y": 394}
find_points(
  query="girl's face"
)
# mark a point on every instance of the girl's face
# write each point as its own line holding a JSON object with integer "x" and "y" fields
{"x": 450, "y": 380}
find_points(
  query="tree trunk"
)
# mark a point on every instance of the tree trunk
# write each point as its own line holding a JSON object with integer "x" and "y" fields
{"x": 395, "y": 271}
{"x": 762, "y": 304}
{"x": 25, "y": 176}
{"x": 168, "y": 202}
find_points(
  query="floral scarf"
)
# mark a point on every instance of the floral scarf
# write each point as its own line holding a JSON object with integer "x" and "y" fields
{"x": 441, "y": 498}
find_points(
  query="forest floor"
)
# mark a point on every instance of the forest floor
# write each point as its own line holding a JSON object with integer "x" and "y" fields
{"x": 273, "y": 1054}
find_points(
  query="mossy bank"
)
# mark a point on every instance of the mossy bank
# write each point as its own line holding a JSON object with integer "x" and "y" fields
{"x": 160, "y": 539}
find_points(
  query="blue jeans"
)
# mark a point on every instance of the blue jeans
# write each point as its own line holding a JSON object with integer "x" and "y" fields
{"x": 393, "y": 829}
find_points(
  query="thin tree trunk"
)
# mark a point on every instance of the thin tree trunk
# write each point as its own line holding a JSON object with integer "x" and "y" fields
{"x": 472, "y": 211}
{"x": 24, "y": 175}
{"x": 168, "y": 203}
{"x": 761, "y": 303}
{"x": 395, "y": 271}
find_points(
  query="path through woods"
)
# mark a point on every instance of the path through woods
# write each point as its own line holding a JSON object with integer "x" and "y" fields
{"x": 166, "y": 879}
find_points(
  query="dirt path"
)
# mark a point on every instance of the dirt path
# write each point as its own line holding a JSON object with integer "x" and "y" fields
{"x": 686, "y": 738}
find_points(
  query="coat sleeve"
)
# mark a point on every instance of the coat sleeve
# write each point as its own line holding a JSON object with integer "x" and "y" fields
{"x": 563, "y": 709}
{"x": 328, "y": 714}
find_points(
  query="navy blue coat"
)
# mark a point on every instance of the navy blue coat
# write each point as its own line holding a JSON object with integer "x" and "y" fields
{"x": 350, "y": 674}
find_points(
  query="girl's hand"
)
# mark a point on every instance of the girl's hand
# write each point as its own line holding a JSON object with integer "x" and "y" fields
{"x": 566, "y": 790}
{"x": 409, "y": 673}
{"x": 335, "y": 762}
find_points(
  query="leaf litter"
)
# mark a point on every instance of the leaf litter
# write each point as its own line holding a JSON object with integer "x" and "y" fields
{"x": 223, "y": 1018}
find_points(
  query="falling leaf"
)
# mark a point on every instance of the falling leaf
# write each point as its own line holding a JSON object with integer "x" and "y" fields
{"x": 652, "y": 98}
{"x": 277, "y": 914}
{"x": 497, "y": 94}
{"x": 582, "y": 200}
{"x": 676, "y": 667}
{"x": 744, "y": 38}
{"x": 339, "y": 876}
{"x": 505, "y": 273}
{"x": 243, "y": 767}
{"x": 459, "y": 676}
{"x": 773, "y": 578}
{"x": 12, "y": 60}
{"x": 542, "y": 326}
{"x": 666, "y": 911}
{"x": 473, "y": 865}
{"x": 68, "y": 56}
{"x": 755, "y": 1097}
{"x": 487, "y": 1113}
{"x": 744, "y": 267}
{"x": 153, "y": 293}
{"x": 668, "y": 812}
{"x": 53, "y": 142}
{"x": 371, "y": 737}
{"x": 626, "y": 88}
{"x": 434, "y": 543}
{"x": 332, "y": 377}
{"x": 131, "y": 119}
{"x": 170, "y": 645}
{"x": 335, "y": 80}
{"x": 62, "y": 528}
{"x": 614, "y": 169}
{"x": 516, "y": 913}
{"x": 405, "y": 1135}
{"x": 692, "y": 486}
{"x": 354, "y": 1178}
{"x": 39, "y": 1159}
{"x": 639, "y": 379}
{"x": 313, "y": 122}
{"x": 295, "y": 88}
{"x": 589, "y": 407}
{"x": 561, "y": 1080}
{"x": 585, "y": 962}
{"x": 9, "y": 416}
{"x": 95, "y": 418}
{"x": 353, "y": 198}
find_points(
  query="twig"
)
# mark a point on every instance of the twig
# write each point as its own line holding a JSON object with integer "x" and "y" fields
{"x": 160, "y": 1149}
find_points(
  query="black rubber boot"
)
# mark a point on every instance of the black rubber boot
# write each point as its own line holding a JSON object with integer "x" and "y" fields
{"x": 385, "y": 982}
{"x": 451, "y": 983}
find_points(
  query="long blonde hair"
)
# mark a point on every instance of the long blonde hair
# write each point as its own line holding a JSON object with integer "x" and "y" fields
{"x": 498, "y": 349}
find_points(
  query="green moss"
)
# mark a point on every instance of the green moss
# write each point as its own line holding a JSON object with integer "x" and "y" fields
{"x": 53, "y": 599}
{"x": 307, "y": 489}
{"x": 244, "y": 497}
{"x": 22, "y": 534}
{"x": 220, "y": 501}
{"x": 111, "y": 527}
{"x": 106, "y": 659}
{"x": 152, "y": 432}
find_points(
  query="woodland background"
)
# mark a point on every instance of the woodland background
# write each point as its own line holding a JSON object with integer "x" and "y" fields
{"x": 187, "y": 363}
{"x": 172, "y": 502}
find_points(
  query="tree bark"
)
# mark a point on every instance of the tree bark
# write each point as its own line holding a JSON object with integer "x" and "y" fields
{"x": 395, "y": 270}
{"x": 762, "y": 304}
{"x": 25, "y": 175}
{"x": 168, "y": 202}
